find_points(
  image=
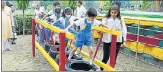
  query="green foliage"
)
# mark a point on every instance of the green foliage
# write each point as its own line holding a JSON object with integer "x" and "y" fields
{"x": 22, "y": 4}
{"x": 47, "y": 3}
{"x": 28, "y": 21}
{"x": 145, "y": 5}
{"x": 50, "y": 7}
{"x": 64, "y": 3}
{"x": 72, "y": 4}
{"x": 107, "y": 5}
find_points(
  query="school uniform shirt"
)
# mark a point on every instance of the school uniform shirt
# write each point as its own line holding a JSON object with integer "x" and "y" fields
{"x": 62, "y": 19}
{"x": 42, "y": 9}
{"x": 52, "y": 18}
{"x": 37, "y": 13}
{"x": 51, "y": 12}
{"x": 115, "y": 24}
{"x": 81, "y": 22}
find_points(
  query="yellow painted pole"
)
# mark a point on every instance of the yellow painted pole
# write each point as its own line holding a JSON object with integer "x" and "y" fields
{"x": 47, "y": 57}
{"x": 53, "y": 28}
{"x": 106, "y": 30}
{"x": 70, "y": 35}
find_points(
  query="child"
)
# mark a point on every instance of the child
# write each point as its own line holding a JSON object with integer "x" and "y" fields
{"x": 66, "y": 21}
{"x": 114, "y": 21}
{"x": 52, "y": 19}
{"x": 84, "y": 36}
{"x": 51, "y": 12}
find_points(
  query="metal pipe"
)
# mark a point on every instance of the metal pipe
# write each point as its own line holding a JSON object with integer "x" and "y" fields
{"x": 33, "y": 37}
{"x": 137, "y": 41}
{"x": 146, "y": 29}
{"x": 47, "y": 57}
{"x": 113, "y": 51}
{"x": 98, "y": 45}
{"x": 62, "y": 51}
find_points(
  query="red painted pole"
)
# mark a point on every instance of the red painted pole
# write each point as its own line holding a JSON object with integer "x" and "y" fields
{"x": 33, "y": 37}
{"x": 113, "y": 51}
{"x": 98, "y": 45}
{"x": 62, "y": 51}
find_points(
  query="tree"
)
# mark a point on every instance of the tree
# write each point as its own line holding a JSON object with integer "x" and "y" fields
{"x": 72, "y": 5}
{"x": 145, "y": 5}
{"x": 64, "y": 3}
{"x": 23, "y": 4}
{"x": 107, "y": 5}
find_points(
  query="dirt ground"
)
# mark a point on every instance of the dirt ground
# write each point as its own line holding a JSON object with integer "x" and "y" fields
{"x": 20, "y": 59}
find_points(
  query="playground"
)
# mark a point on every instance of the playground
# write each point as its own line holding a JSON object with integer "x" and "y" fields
{"x": 46, "y": 40}
{"x": 20, "y": 59}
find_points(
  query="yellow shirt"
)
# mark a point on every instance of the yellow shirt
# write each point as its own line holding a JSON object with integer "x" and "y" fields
{"x": 7, "y": 20}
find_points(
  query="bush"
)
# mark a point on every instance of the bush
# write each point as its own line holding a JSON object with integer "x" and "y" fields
{"x": 28, "y": 23}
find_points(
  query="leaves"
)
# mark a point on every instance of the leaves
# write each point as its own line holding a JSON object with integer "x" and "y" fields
{"x": 72, "y": 4}
{"x": 64, "y": 3}
{"x": 28, "y": 21}
{"x": 146, "y": 4}
{"x": 22, "y": 4}
{"x": 107, "y": 4}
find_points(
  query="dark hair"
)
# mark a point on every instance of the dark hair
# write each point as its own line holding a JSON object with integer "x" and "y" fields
{"x": 115, "y": 7}
{"x": 58, "y": 10}
{"x": 91, "y": 12}
{"x": 67, "y": 11}
{"x": 80, "y": 2}
{"x": 56, "y": 3}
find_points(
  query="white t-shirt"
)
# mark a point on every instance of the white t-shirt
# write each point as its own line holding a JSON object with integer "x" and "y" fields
{"x": 81, "y": 22}
{"x": 115, "y": 25}
{"x": 42, "y": 9}
{"x": 62, "y": 19}
{"x": 37, "y": 13}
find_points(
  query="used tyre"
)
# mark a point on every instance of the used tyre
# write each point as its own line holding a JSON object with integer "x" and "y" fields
{"x": 80, "y": 65}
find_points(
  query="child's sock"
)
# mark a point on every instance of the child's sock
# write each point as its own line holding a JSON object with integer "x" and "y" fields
{"x": 76, "y": 53}
{"x": 70, "y": 56}
{"x": 91, "y": 60}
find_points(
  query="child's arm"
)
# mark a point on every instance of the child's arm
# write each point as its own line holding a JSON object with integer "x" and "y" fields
{"x": 49, "y": 13}
{"x": 56, "y": 20}
{"x": 72, "y": 22}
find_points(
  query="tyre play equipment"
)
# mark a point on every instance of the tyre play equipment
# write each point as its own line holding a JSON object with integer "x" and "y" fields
{"x": 62, "y": 54}
{"x": 80, "y": 65}
{"x": 148, "y": 41}
{"x": 143, "y": 21}
{"x": 140, "y": 14}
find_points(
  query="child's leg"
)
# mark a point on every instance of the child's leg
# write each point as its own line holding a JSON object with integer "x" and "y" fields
{"x": 72, "y": 53}
{"x": 54, "y": 38}
{"x": 90, "y": 52}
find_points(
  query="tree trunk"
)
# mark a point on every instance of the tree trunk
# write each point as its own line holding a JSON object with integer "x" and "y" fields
{"x": 23, "y": 24}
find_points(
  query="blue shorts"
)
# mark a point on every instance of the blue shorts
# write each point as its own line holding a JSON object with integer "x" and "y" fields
{"x": 83, "y": 39}
{"x": 47, "y": 32}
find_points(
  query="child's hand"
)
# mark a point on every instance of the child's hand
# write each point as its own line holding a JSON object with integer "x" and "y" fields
{"x": 65, "y": 30}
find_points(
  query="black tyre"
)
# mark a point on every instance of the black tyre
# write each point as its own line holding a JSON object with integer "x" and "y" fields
{"x": 80, "y": 65}
{"x": 47, "y": 48}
